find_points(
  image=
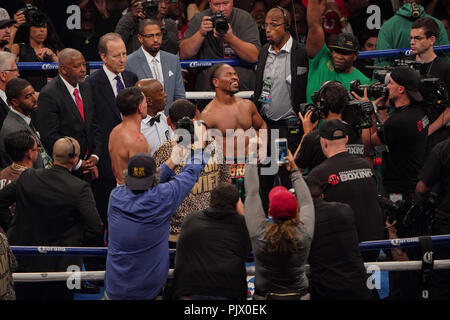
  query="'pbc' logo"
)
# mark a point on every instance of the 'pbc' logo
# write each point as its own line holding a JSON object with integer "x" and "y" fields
{"x": 420, "y": 126}
{"x": 333, "y": 179}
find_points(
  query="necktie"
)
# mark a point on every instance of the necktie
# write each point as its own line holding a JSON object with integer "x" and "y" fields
{"x": 157, "y": 119}
{"x": 79, "y": 103}
{"x": 157, "y": 75}
{"x": 120, "y": 85}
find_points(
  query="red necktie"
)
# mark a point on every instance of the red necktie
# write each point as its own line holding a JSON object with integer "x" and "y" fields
{"x": 79, "y": 103}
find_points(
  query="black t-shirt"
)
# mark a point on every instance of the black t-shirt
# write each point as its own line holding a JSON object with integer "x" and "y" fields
{"x": 438, "y": 68}
{"x": 437, "y": 170}
{"x": 405, "y": 133}
{"x": 334, "y": 258}
{"x": 311, "y": 155}
{"x": 349, "y": 179}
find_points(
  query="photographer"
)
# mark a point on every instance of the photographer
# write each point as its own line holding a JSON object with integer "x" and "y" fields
{"x": 423, "y": 35}
{"x": 218, "y": 33}
{"x": 138, "y": 10}
{"x": 332, "y": 98}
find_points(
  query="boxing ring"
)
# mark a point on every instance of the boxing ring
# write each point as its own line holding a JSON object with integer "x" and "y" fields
{"x": 102, "y": 251}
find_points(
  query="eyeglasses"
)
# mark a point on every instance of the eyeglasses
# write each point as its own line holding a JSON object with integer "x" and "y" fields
{"x": 271, "y": 25}
{"x": 416, "y": 38}
{"x": 151, "y": 35}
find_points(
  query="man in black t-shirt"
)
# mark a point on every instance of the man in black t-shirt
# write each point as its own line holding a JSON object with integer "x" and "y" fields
{"x": 349, "y": 179}
{"x": 423, "y": 35}
{"x": 332, "y": 98}
{"x": 436, "y": 171}
{"x": 404, "y": 133}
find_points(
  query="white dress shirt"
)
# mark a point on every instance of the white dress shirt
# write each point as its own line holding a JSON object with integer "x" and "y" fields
{"x": 3, "y": 97}
{"x": 156, "y": 134}
{"x": 155, "y": 67}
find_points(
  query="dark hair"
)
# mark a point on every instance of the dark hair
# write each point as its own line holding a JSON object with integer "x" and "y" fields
{"x": 15, "y": 87}
{"x": 252, "y": 5}
{"x": 181, "y": 108}
{"x": 224, "y": 196}
{"x": 215, "y": 71}
{"x": 430, "y": 26}
{"x": 373, "y": 33}
{"x": 102, "y": 43}
{"x": 314, "y": 187}
{"x": 128, "y": 100}
{"x": 18, "y": 143}
{"x": 147, "y": 22}
{"x": 335, "y": 96}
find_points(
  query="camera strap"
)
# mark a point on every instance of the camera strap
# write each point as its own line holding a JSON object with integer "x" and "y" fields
{"x": 426, "y": 246}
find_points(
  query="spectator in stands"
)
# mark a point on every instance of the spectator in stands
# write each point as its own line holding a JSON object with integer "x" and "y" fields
{"x": 280, "y": 248}
{"x": 368, "y": 43}
{"x": 139, "y": 218}
{"x": 9, "y": 265}
{"x": 258, "y": 12}
{"x": 325, "y": 65}
{"x": 196, "y": 7}
{"x": 126, "y": 139}
{"x": 151, "y": 62}
{"x": 241, "y": 40}
{"x": 336, "y": 266}
{"x": 39, "y": 43}
{"x": 53, "y": 208}
{"x": 332, "y": 97}
{"x": 214, "y": 173}
{"x": 424, "y": 32}
{"x": 299, "y": 26}
{"x": 128, "y": 26}
{"x": 24, "y": 102}
{"x": 395, "y": 32}
{"x": 23, "y": 150}
{"x": 212, "y": 250}
{"x": 5, "y": 29}
{"x": 177, "y": 12}
{"x": 154, "y": 127}
{"x": 349, "y": 179}
{"x": 8, "y": 71}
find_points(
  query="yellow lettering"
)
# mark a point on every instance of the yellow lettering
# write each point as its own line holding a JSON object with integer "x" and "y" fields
{"x": 205, "y": 183}
{"x": 233, "y": 170}
{"x": 197, "y": 187}
{"x": 210, "y": 182}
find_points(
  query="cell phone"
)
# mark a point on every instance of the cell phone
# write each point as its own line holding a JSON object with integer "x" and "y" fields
{"x": 281, "y": 149}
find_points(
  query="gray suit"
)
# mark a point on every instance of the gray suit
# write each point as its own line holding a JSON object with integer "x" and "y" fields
{"x": 13, "y": 123}
{"x": 171, "y": 68}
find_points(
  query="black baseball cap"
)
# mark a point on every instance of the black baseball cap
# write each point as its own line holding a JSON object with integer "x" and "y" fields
{"x": 410, "y": 79}
{"x": 141, "y": 169}
{"x": 346, "y": 42}
{"x": 5, "y": 18}
{"x": 333, "y": 129}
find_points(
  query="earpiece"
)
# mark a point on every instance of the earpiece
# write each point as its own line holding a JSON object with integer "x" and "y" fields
{"x": 72, "y": 154}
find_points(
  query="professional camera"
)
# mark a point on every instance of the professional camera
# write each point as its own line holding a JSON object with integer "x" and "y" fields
{"x": 220, "y": 23}
{"x": 150, "y": 8}
{"x": 358, "y": 114}
{"x": 373, "y": 91}
{"x": 317, "y": 111}
{"x": 434, "y": 92}
{"x": 34, "y": 17}
{"x": 186, "y": 123}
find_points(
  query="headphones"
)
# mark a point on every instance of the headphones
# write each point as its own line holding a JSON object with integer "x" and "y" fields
{"x": 72, "y": 154}
{"x": 286, "y": 21}
{"x": 318, "y": 96}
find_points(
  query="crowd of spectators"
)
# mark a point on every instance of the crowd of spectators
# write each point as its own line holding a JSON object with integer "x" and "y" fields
{"x": 107, "y": 168}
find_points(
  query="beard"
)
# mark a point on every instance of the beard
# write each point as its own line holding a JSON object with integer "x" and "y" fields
{"x": 3, "y": 43}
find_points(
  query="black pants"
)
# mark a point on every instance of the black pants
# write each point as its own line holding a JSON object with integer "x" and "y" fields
{"x": 56, "y": 290}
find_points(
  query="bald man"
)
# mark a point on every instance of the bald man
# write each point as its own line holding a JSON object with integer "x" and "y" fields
{"x": 126, "y": 138}
{"x": 154, "y": 127}
{"x": 53, "y": 208}
{"x": 66, "y": 108}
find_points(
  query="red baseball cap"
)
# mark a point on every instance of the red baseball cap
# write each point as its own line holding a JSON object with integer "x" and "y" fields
{"x": 282, "y": 203}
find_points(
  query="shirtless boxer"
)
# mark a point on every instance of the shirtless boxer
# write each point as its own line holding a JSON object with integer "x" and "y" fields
{"x": 226, "y": 111}
{"x": 126, "y": 138}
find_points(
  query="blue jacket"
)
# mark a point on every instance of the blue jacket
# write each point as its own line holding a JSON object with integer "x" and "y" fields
{"x": 138, "y": 252}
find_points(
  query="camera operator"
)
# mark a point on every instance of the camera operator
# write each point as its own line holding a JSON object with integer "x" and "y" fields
{"x": 222, "y": 32}
{"x": 423, "y": 35}
{"x": 435, "y": 174}
{"x": 332, "y": 98}
{"x": 138, "y": 10}
{"x": 404, "y": 134}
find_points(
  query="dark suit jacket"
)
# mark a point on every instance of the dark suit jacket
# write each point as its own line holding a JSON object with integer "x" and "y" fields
{"x": 108, "y": 115}
{"x": 53, "y": 208}
{"x": 58, "y": 116}
{"x": 3, "y": 111}
{"x": 13, "y": 123}
{"x": 299, "y": 74}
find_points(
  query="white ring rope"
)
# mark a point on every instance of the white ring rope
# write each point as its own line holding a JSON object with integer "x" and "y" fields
{"x": 99, "y": 275}
{"x": 204, "y": 95}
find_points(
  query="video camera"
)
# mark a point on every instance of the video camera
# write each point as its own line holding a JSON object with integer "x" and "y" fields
{"x": 373, "y": 91}
{"x": 150, "y": 8}
{"x": 220, "y": 23}
{"x": 34, "y": 17}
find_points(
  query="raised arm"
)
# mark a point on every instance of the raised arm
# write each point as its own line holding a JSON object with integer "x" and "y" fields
{"x": 316, "y": 36}
{"x": 254, "y": 211}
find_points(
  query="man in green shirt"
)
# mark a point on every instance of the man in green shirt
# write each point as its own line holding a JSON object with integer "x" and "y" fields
{"x": 329, "y": 63}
